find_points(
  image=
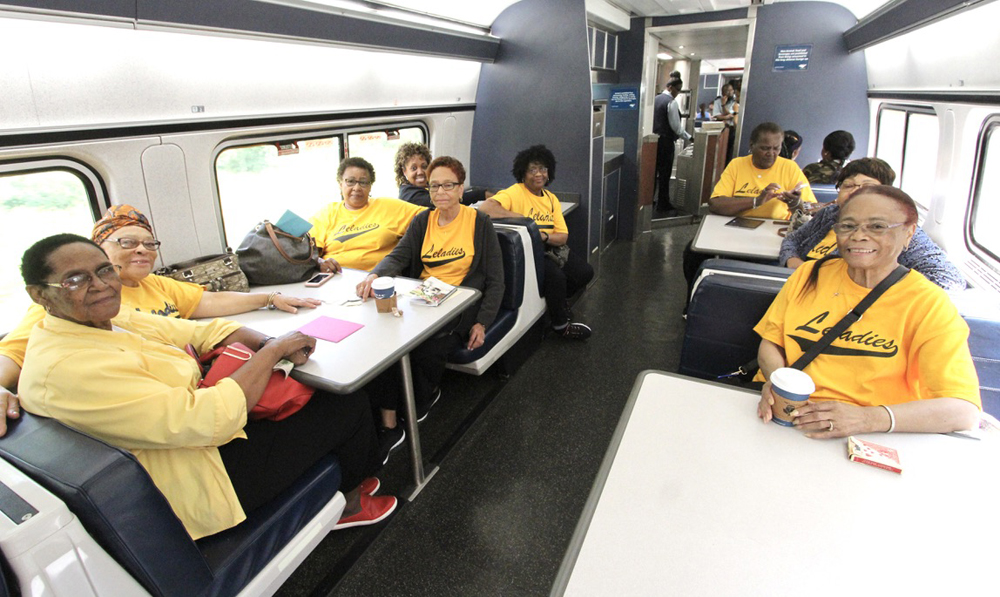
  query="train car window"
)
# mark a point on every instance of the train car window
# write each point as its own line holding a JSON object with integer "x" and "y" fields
{"x": 33, "y": 205}
{"x": 261, "y": 181}
{"x": 907, "y": 138}
{"x": 379, "y": 147}
{"x": 985, "y": 212}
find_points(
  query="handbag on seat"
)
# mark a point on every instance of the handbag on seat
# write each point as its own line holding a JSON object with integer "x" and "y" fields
{"x": 215, "y": 272}
{"x": 282, "y": 397}
{"x": 269, "y": 255}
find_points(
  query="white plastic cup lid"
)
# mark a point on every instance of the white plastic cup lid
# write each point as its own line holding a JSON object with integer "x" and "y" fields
{"x": 793, "y": 381}
{"x": 384, "y": 283}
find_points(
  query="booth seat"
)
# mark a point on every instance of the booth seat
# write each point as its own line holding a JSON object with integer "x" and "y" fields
{"x": 522, "y": 304}
{"x": 824, "y": 193}
{"x": 730, "y": 297}
{"x": 124, "y": 516}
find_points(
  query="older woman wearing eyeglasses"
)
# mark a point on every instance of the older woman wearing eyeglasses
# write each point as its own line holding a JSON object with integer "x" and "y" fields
{"x": 904, "y": 366}
{"x": 411, "y": 175}
{"x": 126, "y": 235}
{"x": 359, "y": 231}
{"x": 816, "y": 238}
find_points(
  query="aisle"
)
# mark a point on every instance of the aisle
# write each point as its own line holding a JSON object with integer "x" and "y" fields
{"x": 498, "y": 516}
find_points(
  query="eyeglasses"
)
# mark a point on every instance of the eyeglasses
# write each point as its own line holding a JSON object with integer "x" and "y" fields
{"x": 538, "y": 170}
{"x": 107, "y": 274}
{"x": 352, "y": 182}
{"x": 850, "y": 186}
{"x": 874, "y": 229}
{"x": 448, "y": 186}
{"x": 131, "y": 243}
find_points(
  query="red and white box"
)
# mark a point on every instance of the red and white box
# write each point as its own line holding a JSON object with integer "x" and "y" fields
{"x": 873, "y": 454}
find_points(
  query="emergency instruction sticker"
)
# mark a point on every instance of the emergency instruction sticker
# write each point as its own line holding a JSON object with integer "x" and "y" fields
{"x": 792, "y": 57}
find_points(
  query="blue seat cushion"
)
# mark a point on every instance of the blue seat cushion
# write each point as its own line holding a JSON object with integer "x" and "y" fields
{"x": 512, "y": 251}
{"x": 501, "y": 325}
{"x": 719, "y": 336}
{"x": 537, "y": 246}
{"x": 984, "y": 343}
{"x": 115, "y": 500}
{"x": 236, "y": 555}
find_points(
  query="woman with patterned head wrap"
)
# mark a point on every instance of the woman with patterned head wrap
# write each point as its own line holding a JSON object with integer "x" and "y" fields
{"x": 126, "y": 235}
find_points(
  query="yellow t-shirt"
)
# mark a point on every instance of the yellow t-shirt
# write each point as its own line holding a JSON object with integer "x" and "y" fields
{"x": 360, "y": 238}
{"x": 911, "y": 344}
{"x": 447, "y": 251}
{"x": 157, "y": 295}
{"x": 135, "y": 389}
{"x": 545, "y": 210}
{"x": 742, "y": 179}
{"x": 824, "y": 247}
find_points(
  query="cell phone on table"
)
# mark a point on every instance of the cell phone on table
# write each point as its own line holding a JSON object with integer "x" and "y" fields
{"x": 744, "y": 222}
{"x": 319, "y": 279}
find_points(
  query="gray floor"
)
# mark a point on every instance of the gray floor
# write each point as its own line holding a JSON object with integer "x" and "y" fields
{"x": 498, "y": 516}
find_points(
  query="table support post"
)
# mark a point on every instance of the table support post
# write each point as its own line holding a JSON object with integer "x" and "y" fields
{"x": 412, "y": 429}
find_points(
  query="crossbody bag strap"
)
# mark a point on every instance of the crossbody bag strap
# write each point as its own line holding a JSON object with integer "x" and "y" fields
{"x": 851, "y": 318}
{"x": 277, "y": 245}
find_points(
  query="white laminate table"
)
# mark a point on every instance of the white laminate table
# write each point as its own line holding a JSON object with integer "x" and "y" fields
{"x": 696, "y": 496}
{"x": 348, "y": 365}
{"x": 762, "y": 242}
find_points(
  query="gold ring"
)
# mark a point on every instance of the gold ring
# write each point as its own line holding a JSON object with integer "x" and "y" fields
{"x": 831, "y": 425}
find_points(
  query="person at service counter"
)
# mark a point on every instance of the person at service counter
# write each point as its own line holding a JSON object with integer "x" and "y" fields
{"x": 904, "y": 366}
{"x": 534, "y": 169}
{"x": 123, "y": 376}
{"x": 411, "y": 175}
{"x": 457, "y": 245}
{"x": 816, "y": 238}
{"x": 359, "y": 231}
{"x": 127, "y": 236}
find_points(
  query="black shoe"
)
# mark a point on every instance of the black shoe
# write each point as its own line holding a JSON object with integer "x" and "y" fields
{"x": 389, "y": 440}
{"x": 575, "y": 331}
{"x": 424, "y": 409}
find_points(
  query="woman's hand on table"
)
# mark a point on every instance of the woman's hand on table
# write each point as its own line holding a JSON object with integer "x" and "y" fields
{"x": 294, "y": 346}
{"x": 828, "y": 419}
{"x": 477, "y": 335}
{"x": 11, "y": 408}
{"x": 766, "y": 401}
{"x": 365, "y": 287}
{"x": 329, "y": 265}
{"x": 290, "y": 303}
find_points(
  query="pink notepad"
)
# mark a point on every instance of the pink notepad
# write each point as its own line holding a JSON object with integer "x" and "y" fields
{"x": 330, "y": 328}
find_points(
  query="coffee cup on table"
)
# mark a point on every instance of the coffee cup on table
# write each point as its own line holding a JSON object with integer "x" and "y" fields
{"x": 791, "y": 388}
{"x": 384, "y": 287}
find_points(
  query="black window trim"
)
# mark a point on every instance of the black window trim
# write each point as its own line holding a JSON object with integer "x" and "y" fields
{"x": 991, "y": 260}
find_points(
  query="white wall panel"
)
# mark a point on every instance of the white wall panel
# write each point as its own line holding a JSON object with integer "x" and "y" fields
{"x": 86, "y": 76}
{"x": 957, "y": 53}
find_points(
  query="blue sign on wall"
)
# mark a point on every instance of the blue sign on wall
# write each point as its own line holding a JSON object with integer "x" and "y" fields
{"x": 624, "y": 98}
{"x": 792, "y": 57}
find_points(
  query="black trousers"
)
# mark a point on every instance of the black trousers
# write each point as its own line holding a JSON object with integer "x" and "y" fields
{"x": 427, "y": 364}
{"x": 664, "y": 165}
{"x": 562, "y": 283}
{"x": 276, "y": 453}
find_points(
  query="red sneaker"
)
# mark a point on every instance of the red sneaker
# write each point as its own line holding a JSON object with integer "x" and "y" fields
{"x": 373, "y": 509}
{"x": 370, "y": 485}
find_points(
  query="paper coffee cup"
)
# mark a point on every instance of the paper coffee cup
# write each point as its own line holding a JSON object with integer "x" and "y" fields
{"x": 384, "y": 287}
{"x": 791, "y": 388}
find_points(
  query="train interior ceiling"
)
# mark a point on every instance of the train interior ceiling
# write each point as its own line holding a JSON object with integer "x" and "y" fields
{"x": 210, "y": 116}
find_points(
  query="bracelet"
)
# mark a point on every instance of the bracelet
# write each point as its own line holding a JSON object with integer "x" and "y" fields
{"x": 892, "y": 418}
{"x": 270, "y": 301}
{"x": 263, "y": 342}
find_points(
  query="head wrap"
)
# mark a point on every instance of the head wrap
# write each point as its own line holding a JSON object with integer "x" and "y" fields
{"x": 116, "y": 218}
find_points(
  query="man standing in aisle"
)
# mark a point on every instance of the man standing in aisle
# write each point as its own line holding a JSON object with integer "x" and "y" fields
{"x": 666, "y": 124}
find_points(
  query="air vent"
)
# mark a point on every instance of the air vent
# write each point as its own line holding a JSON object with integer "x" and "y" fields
{"x": 984, "y": 275}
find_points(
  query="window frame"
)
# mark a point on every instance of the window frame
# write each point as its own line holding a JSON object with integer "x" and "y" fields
{"x": 277, "y": 137}
{"x": 990, "y": 259}
{"x": 93, "y": 184}
{"x": 908, "y": 110}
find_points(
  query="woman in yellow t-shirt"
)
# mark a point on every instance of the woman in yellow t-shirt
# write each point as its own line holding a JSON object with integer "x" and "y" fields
{"x": 359, "y": 231}
{"x": 126, "y": 235}
{"x": 534, "y": 169}
{"x": 905, "y": 365}
{"x": 459, "y": 246}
